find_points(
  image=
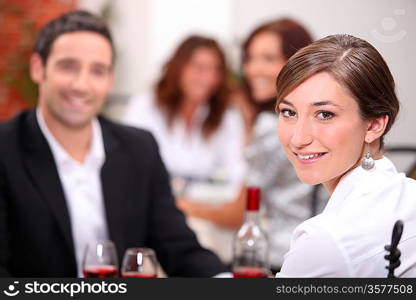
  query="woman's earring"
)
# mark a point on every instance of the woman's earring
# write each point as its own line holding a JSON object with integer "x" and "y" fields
{"x": 368, "y": 162}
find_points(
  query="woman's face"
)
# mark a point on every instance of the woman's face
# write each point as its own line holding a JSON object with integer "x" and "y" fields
{"x": 321, "y": 130}
{"x": 263, "y": 63}
{"x": 201, "y": 75}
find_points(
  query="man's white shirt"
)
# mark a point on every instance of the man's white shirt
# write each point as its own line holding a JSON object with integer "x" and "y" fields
{"x": 81, "y": 183}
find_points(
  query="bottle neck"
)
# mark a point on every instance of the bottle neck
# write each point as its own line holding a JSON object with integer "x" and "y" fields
{"x": 252, "y": 216}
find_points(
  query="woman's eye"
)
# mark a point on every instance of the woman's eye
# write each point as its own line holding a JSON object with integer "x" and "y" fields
{"x": 325, "y": 115}
{"x": 287, "y": 113}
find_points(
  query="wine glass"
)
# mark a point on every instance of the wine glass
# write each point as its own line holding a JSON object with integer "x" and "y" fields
{"x": 139, "y": 263}
{"x": 100, "y": 260}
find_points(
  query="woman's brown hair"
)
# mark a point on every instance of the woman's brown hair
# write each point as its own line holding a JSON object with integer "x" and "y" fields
{"x": 169, "y": 96}
{"x": 355, "y": 64}
{"x": 293, "y": 36}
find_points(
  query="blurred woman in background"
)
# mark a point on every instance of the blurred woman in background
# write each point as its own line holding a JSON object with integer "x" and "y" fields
{"x": 286, "y": 201}
{"x": 200, "y": 138}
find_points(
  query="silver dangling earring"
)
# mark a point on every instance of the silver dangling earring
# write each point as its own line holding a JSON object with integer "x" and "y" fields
{"x": 368, "y": 162}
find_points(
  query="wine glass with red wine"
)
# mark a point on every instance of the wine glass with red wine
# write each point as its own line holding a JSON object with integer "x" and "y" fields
{"x": 100, "y": 260}
{"x": 139, "y": 263}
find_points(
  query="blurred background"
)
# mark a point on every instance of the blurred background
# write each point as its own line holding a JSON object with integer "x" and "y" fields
{"x": 147, "y": 31}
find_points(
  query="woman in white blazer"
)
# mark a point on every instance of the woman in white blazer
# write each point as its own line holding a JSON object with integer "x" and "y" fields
{"x": 336, "y": 100}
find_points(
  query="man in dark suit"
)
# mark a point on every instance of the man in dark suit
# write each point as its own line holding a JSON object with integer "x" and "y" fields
{"x": 68, "y": 177}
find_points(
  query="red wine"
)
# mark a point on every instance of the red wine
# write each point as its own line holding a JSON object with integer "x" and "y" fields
{"x": 138, "y": 275}
{"x": 250, "y": 272}
{"x": 100, "y": 272}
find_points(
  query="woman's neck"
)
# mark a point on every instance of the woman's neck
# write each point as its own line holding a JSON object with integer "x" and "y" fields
{"x": 187, "y": 113}
{"x": 376, "y": 154}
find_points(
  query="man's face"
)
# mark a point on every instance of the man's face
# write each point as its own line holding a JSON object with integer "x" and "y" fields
{"x": 75, "y": 80}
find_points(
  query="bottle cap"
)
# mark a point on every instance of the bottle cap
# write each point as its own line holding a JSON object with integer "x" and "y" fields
{"x": 253, "y": 198}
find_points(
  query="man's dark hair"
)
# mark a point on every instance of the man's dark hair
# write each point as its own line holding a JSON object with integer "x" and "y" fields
{"x": 77, "y": 20}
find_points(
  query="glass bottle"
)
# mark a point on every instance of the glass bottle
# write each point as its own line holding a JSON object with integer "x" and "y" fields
{"x": 251, "y": 246}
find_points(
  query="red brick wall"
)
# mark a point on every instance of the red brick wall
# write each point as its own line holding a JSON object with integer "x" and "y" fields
{"x": 19, "y": 21}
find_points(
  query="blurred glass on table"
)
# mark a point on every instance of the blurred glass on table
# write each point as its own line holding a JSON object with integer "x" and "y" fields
{"x": 100, "y": 260}
{"x": 139, "y": 263}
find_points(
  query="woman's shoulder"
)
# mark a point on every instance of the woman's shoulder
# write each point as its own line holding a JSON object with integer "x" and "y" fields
{"x": 385, "y": 178}
{"x": 265, "y": 124}
{"x": 139, "y": 108}
{"x": 232, "y": 120}
{"x": 231, "y": 114}
{"x": 314, "y": 252}
{"x": 267, "y": 117}
{"x": 376, "y": 199}
{"x": 264, "y": 136}
{"x": 140, "y": 101}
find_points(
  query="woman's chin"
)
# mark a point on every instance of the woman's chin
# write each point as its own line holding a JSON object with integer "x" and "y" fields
{"x": 309, "y": 179}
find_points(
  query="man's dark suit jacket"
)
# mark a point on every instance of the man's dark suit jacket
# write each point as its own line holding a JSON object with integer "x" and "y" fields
{"x": 35, "y": 228}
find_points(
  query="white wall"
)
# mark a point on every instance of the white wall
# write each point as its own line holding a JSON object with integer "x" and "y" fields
{"x": 173, "y": 21}
{"x": 147, "y": 31}
{"x": 131, "y": 24}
